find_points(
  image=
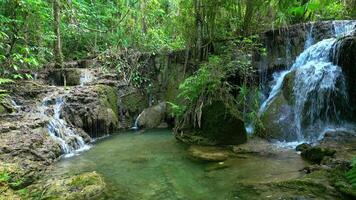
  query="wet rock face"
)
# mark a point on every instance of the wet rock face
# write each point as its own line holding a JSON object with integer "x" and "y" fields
{"x": 279, "y": 115}
{"x": 153, "y": 116}
{"x": 71, "y": 75}
{"x": 345, "y": 57}
{"x": 94, "y": 109}
{"x": 219, "y": 126}
{"x": 218, "y": 123}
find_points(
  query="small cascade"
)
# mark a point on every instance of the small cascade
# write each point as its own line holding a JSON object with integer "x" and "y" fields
{"x": 136, "y": 125}
{"x": 59, "y": 130}
{"x": 85, "y": 77}
{"x": 319, "y": 88}
{"x": 15, "y": 105}
{"x": 342, "y": 28}
{"x": 310, "y": 40}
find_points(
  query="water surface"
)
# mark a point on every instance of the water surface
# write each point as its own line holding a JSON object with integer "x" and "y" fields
{"x": 153, "y": 165}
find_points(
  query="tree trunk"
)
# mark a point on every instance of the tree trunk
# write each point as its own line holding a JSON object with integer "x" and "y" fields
{"x": 57, "y": 49}
{"x": 143, "y": 18}
{"x": 199, "y": 28}
{"x": 248, "y": 16}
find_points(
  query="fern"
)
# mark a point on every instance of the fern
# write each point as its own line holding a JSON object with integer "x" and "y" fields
{"x": 351, "y": 174}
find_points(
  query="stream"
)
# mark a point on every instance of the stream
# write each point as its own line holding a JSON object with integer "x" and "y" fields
{"x": 153, "y": 165}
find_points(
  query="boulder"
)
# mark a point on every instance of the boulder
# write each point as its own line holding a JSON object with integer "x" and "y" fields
{"x": 221, "y": 125}
{"x": 207, "y": 153}
{"x": 153, "y": 116}
{"x": 316, "y": 154}
{"x": 278, "y": 119}
{"x": 303, "y": 147}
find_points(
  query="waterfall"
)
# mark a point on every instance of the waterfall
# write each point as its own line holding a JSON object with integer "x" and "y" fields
{"x": 319, "y": 87}
{"x": 136, "y": 125}
{"x": 85, "y": 77}
{"x": 310, "y": 40}
{"x": 59, "y": 130}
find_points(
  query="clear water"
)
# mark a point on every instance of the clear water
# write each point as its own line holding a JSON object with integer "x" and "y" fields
{"x": 153, "y": 165}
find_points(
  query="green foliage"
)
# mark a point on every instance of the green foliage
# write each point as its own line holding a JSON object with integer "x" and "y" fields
{"x": 351, "y": 175}
{"x": 4, "y": 177}
{"x": 205, "y": 82}
{"x": 3, "y": 81}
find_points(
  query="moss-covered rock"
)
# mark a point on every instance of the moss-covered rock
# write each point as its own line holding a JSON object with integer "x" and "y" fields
{"x": 278, "y": 119}
{"x": 316, "y": 154}
{"x": 94, "y": 109}
{"x": 6, "y": 107}
{"x": 108, "y": 97}
{"x": 221, "y": 125}
{"x": 81, "y": 187}
{"x": 319, "y": 185}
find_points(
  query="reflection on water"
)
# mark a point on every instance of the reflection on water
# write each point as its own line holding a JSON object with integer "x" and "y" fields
{"x": 153, "y": 165}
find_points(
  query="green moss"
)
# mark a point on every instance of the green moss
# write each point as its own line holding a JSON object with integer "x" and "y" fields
{"x": 84, "y": 181}
{"x": 288, "y": 84}
{"x": 273, "y": 130}
{"x": 4, "y": 177}
{"x": 108, "y": 97}
{"x": 2, "y": 109}
{"x": 134, "y": 102}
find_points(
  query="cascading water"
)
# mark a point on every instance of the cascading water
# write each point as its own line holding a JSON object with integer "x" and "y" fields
{"x": 59, "y": 130}
{"x": 319, "y": 88}
{"x": 310, "y": 40}
{"x": 136, "y": 125}
{"x": 85, "y": 77}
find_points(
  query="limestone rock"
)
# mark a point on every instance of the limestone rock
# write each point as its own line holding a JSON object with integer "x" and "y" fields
{"x": 153, "y": 116}
{"x": 94, "y": 109}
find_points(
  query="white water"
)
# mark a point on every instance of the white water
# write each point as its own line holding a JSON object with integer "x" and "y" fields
{"x": 310, "y": 40}
{"x": 85, "y": 77}
{"x": 136, "y": 125}
{"x": 70, "y": 142}
{"x": 319, "y": 87}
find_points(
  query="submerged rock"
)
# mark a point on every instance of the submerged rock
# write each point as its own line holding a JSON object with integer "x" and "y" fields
{"x": 207, "y": 153}
{"x": 323, "y": 184}
{"x": 81, "y": 187}
{"x": 153, "y": 116}
{"x": 316, "y": 154}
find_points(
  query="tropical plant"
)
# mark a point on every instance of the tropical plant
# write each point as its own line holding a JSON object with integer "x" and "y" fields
{"x": 351, "y": 174}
